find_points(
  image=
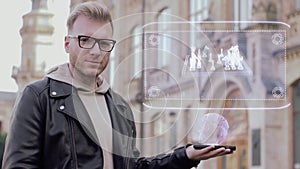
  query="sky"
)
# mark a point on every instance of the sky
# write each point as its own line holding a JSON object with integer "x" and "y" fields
{"x": 10, "y": 44}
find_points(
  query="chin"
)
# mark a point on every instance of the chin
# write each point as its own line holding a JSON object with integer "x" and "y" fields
{"x": 93, "y": 73}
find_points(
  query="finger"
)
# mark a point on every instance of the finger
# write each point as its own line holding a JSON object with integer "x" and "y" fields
{"x": 222, "y": 152}
{"x": 208, "y": 149}
{"x": 205, "y": 150}
{"x": 209, "y": 152}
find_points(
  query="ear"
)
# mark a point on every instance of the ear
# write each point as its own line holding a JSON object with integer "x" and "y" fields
{"x": 67, "y": 44}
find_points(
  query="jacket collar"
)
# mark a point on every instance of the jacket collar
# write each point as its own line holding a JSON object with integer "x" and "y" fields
{"x": 59, "y": 89}
{"x": 70, "y": 104}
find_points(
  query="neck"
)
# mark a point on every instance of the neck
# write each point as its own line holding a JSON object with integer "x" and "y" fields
{"x": 89, "y": 82}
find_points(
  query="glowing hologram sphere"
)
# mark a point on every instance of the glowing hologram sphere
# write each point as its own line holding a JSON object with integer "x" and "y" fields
{"x": 211, "y": 129}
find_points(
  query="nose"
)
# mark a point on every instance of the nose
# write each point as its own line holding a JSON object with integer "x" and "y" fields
{"x": 95, "y": 50}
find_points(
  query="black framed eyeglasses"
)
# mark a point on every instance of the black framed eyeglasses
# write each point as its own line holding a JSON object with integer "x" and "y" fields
{"x": 88, "y": 42}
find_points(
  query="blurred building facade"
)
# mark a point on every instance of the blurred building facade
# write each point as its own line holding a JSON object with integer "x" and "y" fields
{"x": 36, "y": 33}
{"x": 266, "y": 137}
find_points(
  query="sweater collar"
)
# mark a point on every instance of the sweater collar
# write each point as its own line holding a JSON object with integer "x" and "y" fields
{"x": 62, "y": 73}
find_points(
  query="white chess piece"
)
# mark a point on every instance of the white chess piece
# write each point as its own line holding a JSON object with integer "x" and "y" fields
{"x": 185, "y": 64}
{"x": 238, "y": 58}
{"x": 231, "y": 57}
{"x": 226, "y": 60}
{"x": 210, "y": 58}
{"x": 192, "y": 63}
{"x": 212, "y": 68}
{"x": 193, "y": 59}
{"x": 199, "y": 65}
{"x": 205, "y": 51}
{"x": 221, "y": 55}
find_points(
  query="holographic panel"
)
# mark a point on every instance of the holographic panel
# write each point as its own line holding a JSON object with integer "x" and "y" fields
{"x": 206, "y": 61}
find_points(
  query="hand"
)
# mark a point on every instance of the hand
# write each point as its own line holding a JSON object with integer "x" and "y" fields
{"x": 206, "y": 153}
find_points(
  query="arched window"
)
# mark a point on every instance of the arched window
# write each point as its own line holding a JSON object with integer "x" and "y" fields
{"x": 238, "y": 134}
{"x": 157, "y": 132}
{"x": 199, "y": 10}
{"x": 136, "y": 51}
{"x": 164, "y": 44}
{"x": 173, "y": 130}
{"x": 242, "y": 11}
{"x": 297, "y": 5}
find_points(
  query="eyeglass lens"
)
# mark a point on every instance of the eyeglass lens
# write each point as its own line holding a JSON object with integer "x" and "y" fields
{"x": 89, "y": 42}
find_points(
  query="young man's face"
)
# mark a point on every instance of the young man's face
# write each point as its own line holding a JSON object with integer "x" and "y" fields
{"x": 87, "y": 62}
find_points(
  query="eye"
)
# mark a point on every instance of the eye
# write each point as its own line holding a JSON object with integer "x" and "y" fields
{"x": 85, "y": 39}
{"x": 105, "y": 43}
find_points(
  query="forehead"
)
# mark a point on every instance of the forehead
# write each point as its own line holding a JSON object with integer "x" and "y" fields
{"x": 91, "y": 27}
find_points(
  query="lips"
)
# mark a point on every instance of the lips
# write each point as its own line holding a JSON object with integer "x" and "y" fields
{"x": 93, "y": 62}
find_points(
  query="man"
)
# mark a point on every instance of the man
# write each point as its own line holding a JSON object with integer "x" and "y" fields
{"x": 72, "y": 119}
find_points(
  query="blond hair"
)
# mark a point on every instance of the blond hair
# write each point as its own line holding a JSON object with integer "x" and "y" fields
{"x": 91, "y": 9}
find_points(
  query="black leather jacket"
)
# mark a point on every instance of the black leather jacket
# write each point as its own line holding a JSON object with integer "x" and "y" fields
{"x": 47, "y": 133}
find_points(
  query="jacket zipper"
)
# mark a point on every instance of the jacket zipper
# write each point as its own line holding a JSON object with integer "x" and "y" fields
{"x": 73, "y": 146}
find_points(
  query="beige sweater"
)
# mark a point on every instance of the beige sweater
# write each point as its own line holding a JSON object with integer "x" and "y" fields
{"x": 95, "y": 104}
